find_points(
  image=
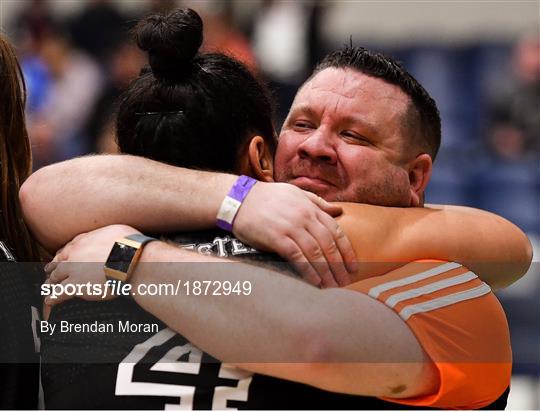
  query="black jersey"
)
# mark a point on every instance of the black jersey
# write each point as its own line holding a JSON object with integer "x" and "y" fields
{"x": 19, "y": 343}
{"x": 163, "y": 370}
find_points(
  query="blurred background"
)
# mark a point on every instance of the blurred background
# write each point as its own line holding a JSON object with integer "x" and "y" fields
{"x": 480, "y": 60}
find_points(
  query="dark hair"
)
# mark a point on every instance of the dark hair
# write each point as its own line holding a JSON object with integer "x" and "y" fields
{"x": 15, "y": 155}
{"x": 422, "y": 116}
{"x": 187, "y": 108}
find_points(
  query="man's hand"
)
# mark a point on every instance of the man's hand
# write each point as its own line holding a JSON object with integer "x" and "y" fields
{"x": 81, "y": 261}
{"x": 298, "y": 226}
{"x": 281, "y": 217}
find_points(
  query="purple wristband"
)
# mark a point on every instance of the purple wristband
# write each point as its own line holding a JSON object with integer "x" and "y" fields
{"x": 232, "y": 202}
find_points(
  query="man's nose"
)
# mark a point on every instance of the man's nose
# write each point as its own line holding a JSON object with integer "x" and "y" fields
{"x": 318, "y": 146}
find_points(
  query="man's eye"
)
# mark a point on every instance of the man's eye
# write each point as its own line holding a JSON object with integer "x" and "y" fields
{"x": 302, "y": 125}
{"x": 354, "y": 137}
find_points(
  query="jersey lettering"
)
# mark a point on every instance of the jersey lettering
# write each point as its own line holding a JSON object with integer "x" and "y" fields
{"x": 182, "y": 373}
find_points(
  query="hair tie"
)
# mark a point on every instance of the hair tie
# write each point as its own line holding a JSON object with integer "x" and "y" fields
{"x": 158, "y": 113}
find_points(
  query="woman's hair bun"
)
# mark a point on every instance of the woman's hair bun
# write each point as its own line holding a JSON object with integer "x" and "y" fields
{"x": 171, "y": 40}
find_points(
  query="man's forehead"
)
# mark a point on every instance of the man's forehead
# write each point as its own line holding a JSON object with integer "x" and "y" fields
{"x": 351, "y": 84}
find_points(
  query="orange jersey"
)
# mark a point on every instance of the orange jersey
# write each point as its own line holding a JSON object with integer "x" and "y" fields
{"x": 459, "y": 323}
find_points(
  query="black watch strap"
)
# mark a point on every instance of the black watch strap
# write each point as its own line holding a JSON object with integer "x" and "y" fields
{"x": 142, "y": 239}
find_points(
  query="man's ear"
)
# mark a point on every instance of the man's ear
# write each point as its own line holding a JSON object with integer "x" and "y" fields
{"x": 261, "y": 161}
{"x": 419, "y": 174}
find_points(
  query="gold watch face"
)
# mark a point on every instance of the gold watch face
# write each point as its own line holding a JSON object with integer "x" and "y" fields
{"x": 115, "y": 274}
{"x": 121, "y": 258}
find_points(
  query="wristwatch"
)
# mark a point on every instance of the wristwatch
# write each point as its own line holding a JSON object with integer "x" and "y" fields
{"x": 124, "y": 257}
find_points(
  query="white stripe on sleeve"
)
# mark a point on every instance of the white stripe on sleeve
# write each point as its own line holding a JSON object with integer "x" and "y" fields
{"x": 377, "y": 290}
{"x": 441, "y": 302}
{"x": 432, "y": 287}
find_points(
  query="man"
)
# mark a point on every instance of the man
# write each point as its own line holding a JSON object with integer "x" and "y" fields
{"x": 361, "y": 168}
{"x": 363, "y": 118}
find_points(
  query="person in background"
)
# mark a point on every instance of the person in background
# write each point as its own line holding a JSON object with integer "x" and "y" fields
{"x": 19, "y": 298}
{"x": 221, "y": 35}
{"x": 514, "y": 133}
{"x": 102, "y": 14}
{"x": 56, "y": 131}
{"x": 287, "y": 54}
{"x": 124, "y": 63}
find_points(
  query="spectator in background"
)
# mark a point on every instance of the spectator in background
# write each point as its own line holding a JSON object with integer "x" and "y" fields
{"x": 32, "y": 24}
{"x": 515, "y": 118}
{"x": 508, "y": 181}
{"x": 102, "y": 14}
{"x": 161, "y": 6}
{"x": 122, "y": 66}
{"x": 221, "y": 35}
{"x": 30, "y": 27}
{"x": 286, "y": 55}
{"x": 38, "y": 81}
{"x": 56, "y": 130}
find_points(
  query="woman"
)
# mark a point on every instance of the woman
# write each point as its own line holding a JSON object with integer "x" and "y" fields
{"x": 188, "y": 96}
{"x": 173, "y": 112}
{"x": 19, "y": 299}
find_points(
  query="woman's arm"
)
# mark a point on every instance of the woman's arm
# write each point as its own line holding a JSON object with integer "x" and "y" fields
{"x": 385, "y": 238}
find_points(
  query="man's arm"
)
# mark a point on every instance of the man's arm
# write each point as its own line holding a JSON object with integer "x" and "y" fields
{"x": 334, "y": 339}
{"x": 79, "y": 195}
{"x": 386, "y": 238}
{"x": 159, "y": 197}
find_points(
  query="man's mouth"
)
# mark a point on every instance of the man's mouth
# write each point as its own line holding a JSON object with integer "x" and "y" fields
{"x": 312, "y": 184}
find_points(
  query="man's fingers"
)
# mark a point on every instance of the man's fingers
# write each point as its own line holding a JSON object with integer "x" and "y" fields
{"x": 58, "y": 276}
{"x": 60, "y": 298}
{"x": 60, "y": 253}
{"x": 330, "y": 250}
{"x": 343, "y": 243}
{"x": 51, "y": 266}
{"x": 291, "y": 251}
{"x": 330, "y": 208}
{"x": 313, "y": 253}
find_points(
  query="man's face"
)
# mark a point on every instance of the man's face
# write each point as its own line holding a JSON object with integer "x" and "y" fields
{"x": 343, "y": 140}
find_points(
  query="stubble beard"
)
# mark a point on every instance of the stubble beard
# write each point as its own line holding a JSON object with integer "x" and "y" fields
{"x": 387, "y": 191}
